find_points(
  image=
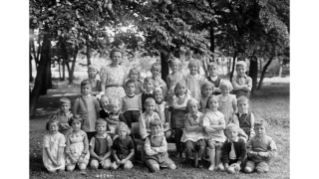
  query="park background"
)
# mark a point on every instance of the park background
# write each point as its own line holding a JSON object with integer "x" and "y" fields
{"x": 303, "y": 68}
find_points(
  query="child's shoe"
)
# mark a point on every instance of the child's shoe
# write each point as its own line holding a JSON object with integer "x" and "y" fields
{"x": 200, "y": 164}
{"x": 220, "y": 167}
{"x": 211, "y": 168}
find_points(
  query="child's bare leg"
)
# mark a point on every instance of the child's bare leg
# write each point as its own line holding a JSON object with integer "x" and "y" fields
{"x": 52, "y": 170}
{"x": 70, "y": 167}
{"x": 211, "y": 152}
{"x": 250, "y": 166}
{"x": 152, "y": 165}
{"x": 114, "y": 166}
{"x": 128, "y": 165}
{"x": 200, "y": 156}
{"x": 172, "y": 166}
{"x": 219, "y": 164}
{"x": 94, "y": 164}
{"x": 231, "y": 169}
{"x": 107, "y": 164}
{"x": 82, "y": 166}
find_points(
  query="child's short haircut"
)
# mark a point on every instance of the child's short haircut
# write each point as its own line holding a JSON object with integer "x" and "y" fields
{"x": 156, "y": 122}
{"x": 178, "y": 85}
{"x": 115, "y": 50}
{"x": 158, "y": 90}
{"x": 231, "y": 127}
{"x": 175, "y": 61}
{"x": 104, "y": 96}
{"x": 122, "y": 125}
{"x": 129, "y": 82}
{"x": 76, "y": 118}
{"x": 115, "y": 101}
{"x": 85, "y": 83}
{"x": 242, "y": 99}
{"x": 226, "y": 83}
{"x": 194, "y": 62}
{"x": 134, "y": 69}
{"x": 52, "y": 119}
{"x": 212, "y": 97}
{"x": 211, "y": 65}
{"x": 260, "y": 122}
{"x": 241, "y": 63}
{"x": 206, "y": 85}
{"x": 148, "y": 80}
{"x": 100, "y": 121}
{"x": 150, "y": 101}
{"x": 192, "y": 101}
{"x": 156, "y": 65}
{"x": 65, "y": 100}
{"x": 93, "y": 67}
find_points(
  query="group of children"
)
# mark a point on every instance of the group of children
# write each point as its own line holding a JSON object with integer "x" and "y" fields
{"x": 199, "y": 113}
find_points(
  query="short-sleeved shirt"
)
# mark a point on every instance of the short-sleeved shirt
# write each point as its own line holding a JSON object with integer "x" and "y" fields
{"x": 214, "y": 118}
{"x": 123, "y": 147}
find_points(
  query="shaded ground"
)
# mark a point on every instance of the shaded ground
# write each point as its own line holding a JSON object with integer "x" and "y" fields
{"x": 271, "y": 103}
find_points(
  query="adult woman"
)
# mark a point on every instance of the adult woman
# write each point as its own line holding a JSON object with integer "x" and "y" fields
{"x": 113, "y": 76}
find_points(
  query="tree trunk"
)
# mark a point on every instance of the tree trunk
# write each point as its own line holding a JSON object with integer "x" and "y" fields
{"x": 233, "y": 67}
{"x": 263, "y": 73}
{"x": 164, "y": 63}
{"x": 260, "y": 65}
{"x": 47, "y": 77}
{"x": 228, "y": 65}
{"x": 45, "y": 57}
{"x": 253, "y": 72}
{"x": 60, "y": 75}
{"x": 63, "y": 69}
{"x": 280, "y": 67}
{"x": 88, "y": 53}
{"x": 71, "y": 71}
{"x": 30, "y": 69}
{"x": 212, "y": 41}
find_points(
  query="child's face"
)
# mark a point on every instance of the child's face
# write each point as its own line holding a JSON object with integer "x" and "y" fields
{"x": 225, "y": 90}
{"x": 158, "y": 97}
{"x": 174, "y": 67}
{"x": 105, "y": 103}
{"x": 240, "y": 70}
{"x": 193, "y": 69}
{"x": 260, "y": 131}
{"x": 156, "y": 71}
{"x": 232, "y": 134}
{"x": 192, "y": 108}
{"x": 207, "y": 91}
{"x": 212, "y": 71}
{"x": 243, "y": 106}
{"x": 181, "y": 90}
{"x": 53, "y": 127}
{"x": 76, "y": 125}
{"x": 101, "y": 128}
{"x": 134, "y": 75}
{"x": 148, "y": 86}
{"x": 130, "y": 88}
{"x": 65, "y": 107}
{"x": 116, "y": 58}
{"x": 122, "y": 133}
{"x": 92, "y": 73}
{"x": 85, "y": 90}
{"x": 156, "y": 129}
{"x": 213, "y": 104}
{"x": 150, "y": 107}
{"x": 115, "y": 108}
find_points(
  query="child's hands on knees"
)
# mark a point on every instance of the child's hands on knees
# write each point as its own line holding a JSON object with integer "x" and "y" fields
{"x": 123, "y": 161}
{"x": 251, "y": 154}
{"x": 236, "y": 167}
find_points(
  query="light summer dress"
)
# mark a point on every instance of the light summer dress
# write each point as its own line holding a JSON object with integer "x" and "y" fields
{"x": 53, "y": 142}
{"x": 114, "y": 76}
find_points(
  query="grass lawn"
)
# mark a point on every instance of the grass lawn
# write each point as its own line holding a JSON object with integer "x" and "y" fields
{"x": 271, "y": 104}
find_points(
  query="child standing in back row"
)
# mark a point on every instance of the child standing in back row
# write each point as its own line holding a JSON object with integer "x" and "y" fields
{"x": 174, "y": 77}
{"x": 261, "y": 148}
{"x": 228, "y": 102}
{"x": 135, "y": 76}
{"x": 158, "y": 81}
{"x": 206, "y": 91}
{"x": 95, "y": 83}
{"x": 88, "y": 108}
{"x": 194, "y": 80}
{"x": 148, "y": 91}
{"x": 214, "y": 78}
{"x": 64, "y": 116}
{"x": 241, "y": 82}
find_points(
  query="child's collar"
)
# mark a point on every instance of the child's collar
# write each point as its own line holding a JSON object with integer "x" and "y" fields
{"x": 102, "y": 136}
{"x": 236, "y": 140}
{"x": 130, "y": 95}
{"x": 86, "y": 96}
{"x": 213, "y": 78}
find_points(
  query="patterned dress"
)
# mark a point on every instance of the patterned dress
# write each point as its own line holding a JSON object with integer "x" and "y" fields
{"x": 226, "y": 106}
{"x": 114, "y": 76}
{"x": 53, "y": 142}
{"x": 76, "y": 147}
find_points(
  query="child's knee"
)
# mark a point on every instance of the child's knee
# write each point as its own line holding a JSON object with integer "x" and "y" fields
{"x": 82, "y": 166}
{"x": 168, "y": 134}
{"x": 70, "y": 167}
{"x": 128, "y": 165}
{"x": 107, "y": 164}
{"x": 155, "y": 167}
{"x": 172, "y": 166}
{"x": 52, "y": 170}
{"x": 231, "y": 170}
{"x": 248, "y": 170}
{"x": 94, "y": 164}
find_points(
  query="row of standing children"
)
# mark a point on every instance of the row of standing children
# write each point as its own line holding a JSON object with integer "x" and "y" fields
{"x": 152, "y": 99}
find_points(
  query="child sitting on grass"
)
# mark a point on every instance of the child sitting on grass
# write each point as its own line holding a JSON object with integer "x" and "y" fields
{"x": 115, "y": 117}
{"x": 135, "y": 76}
{"x": 64, "y": 116}
{"x": 156, "y": 148}
{"x": 261, "y": 148}
{"x": 194, "y": 80}
{"x": 131, "y": 103}
{"x": 227, "y": 102}
{"x": 77, "y": 146}
{"x": 96, "y": 84}
{"x": 100, "y": 147}
{"x": 214, "y": 125}
{"x": 241, "y": 82}
{"x": 233, "y": 150}
{"x": 244, "y": 119}
{"x": 193, "y": 137}
{"x": 206, "y": 91}
{"x": 147, "y": 117}
{"x": 88, "y": 108}
{"x": 123, "y": 148}
{"x": 156, "y": 70}
{"x": 214, "y": 78}
{"x": 53, "y": 147}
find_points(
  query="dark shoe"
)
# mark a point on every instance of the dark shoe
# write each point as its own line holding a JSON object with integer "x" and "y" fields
{"x": 200, "y": 164}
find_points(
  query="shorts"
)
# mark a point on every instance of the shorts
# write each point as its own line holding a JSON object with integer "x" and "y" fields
{"x": 213, "y": 144}
{"x": 259, "y": 166}
{"x": 195, "y": 146}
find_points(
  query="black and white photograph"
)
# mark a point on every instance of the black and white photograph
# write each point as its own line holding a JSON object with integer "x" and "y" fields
{"x": 159, "y": 89}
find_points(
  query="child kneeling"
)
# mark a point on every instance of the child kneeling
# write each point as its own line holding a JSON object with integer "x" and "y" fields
{"x": 156, "y": 148}
{"x": 261, "y": 148}
{"x": 100, "y": 146}
{"x": 233, "y": 150}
